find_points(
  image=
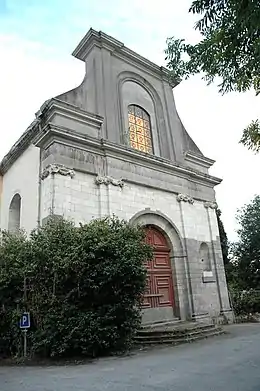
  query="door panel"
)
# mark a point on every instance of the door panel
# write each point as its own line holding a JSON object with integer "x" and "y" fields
{"x": 159, "y": 292}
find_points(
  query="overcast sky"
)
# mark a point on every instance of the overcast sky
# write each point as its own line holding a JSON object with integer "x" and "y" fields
{"x": 38, "y": 36}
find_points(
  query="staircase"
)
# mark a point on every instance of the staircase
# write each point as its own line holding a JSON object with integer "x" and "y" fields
{"x": 175, "y": 332}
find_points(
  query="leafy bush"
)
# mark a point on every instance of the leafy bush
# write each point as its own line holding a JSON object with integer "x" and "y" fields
{"x": 13, "y": 255}
{"x": 84, "y": 286}
{"x": 245, "y": 303}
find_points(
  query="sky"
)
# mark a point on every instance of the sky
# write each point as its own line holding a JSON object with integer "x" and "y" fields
{"x": 36, "y": 41}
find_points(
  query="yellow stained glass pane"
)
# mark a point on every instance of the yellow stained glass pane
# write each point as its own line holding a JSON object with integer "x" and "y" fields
{"x": 132, "y": 128}
{"x": 133, "y": 136}
{"x": 139, "y": 122}
{"x": 148, "y": 142}
{"x": 147, "y": 133}
{"x": 140, "y": 140}
{"x": 146, "y": 125}
{"x": 139, "y": 129}
{"x": 131, "y": 118}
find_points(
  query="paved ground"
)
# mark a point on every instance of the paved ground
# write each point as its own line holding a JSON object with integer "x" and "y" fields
{"x": 226, "y": 363}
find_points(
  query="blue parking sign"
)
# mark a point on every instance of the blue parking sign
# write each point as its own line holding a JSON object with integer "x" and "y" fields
{"x": 25, "y": 322}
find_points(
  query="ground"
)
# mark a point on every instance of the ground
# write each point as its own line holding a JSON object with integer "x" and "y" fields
{"x": 230, "y": 362}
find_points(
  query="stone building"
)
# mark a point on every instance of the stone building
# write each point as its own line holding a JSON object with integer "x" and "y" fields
{"x": 116, "y": 145}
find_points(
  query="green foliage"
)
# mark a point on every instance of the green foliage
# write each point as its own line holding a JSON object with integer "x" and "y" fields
{"x": 229, "y": 51}
{"x": 243, "y": 271}
{"x": 230, "y": 45}
{"x": 12, "y": 260}
{"x": 223, "y": 237}
{"x": 245, "y": 303}
{"x": 246, "y": 252}
{"x": 251, "y": 136}
{"x": 84, "y": 286}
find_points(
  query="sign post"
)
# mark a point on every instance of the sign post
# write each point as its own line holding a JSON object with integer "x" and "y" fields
{"x": 25, "y": 324}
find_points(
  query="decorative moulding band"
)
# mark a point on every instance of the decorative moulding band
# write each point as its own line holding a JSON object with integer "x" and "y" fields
{"x": 211, "y": 205}
{"x": 107, "y": 180}
{"x": 185, "y": 198}
{"x": 57, "y": 169}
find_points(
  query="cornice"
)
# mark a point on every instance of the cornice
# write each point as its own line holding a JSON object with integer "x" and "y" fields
{"x": 117, "y": 48}
{"x": 46, "y": 113}
{"x": 200, "y": 160}
{"x": 56, "y": 106}
{"x": 53, "y": 132}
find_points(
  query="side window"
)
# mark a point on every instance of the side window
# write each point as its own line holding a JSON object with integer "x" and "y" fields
{"x": 139, "y": 125}
{"x": 205, "y": 257}
{"x": 14, "y": 214}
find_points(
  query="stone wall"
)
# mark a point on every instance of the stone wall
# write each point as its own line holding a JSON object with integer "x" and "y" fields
{"x": 22, "y": 178}
{"x": 83, "y": 196}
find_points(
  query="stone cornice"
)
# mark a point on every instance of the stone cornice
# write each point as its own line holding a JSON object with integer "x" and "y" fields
{"x": 57, "y": 169}
{"x": 198, "y": 159}
{"x": 100, "y": 39}
{"x": 47, "y": 111}
{"x": 107, "y": 180}
{"x": 53, "y": 133}
{"x": 56, "y": 106}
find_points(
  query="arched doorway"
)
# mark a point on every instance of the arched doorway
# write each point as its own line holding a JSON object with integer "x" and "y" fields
{"x": 159, "y": 291}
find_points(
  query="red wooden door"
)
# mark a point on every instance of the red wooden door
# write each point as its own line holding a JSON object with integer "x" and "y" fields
{"x": 159, "y": 291}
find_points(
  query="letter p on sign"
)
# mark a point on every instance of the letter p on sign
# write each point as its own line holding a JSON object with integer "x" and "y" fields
{"x": 25, "y": 321}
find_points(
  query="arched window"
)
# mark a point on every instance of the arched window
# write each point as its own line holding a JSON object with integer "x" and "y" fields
{"x": 139, "y": 129}
{"x": 14, "y": 213}
{"x": 205, "y": 257}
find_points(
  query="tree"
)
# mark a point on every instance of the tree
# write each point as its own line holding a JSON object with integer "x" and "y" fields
{"x": 247, "y": 249}
{"x": 223, "y": 237}
{"x": 229, "y": 51}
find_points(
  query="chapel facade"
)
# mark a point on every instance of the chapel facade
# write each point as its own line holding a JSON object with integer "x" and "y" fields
{"x": 116, "y": 145}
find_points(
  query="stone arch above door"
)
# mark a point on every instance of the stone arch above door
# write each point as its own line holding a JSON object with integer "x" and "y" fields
{"x": 162, "y": 222}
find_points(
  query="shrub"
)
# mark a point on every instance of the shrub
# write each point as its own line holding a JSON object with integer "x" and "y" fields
{"x": 84, "y": 286}
{"x": 245, "y": 303}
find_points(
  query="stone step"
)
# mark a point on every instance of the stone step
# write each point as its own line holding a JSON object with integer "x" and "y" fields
{"x": 160, "y": 323}
{"x": 166, "y": 336}
{"x": 171, "y": 332}
{"x": 176, "y": 330}
{"x": 178, "y": 341}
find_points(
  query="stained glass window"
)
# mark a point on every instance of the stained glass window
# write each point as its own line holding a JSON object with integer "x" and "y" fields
{"x": 139, "y": 129}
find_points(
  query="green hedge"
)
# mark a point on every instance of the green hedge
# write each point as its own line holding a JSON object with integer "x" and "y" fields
{"x": 82, "y": 285}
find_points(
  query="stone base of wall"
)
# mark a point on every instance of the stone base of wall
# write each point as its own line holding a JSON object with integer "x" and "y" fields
{"x": 224, "y": 317}
{"x": 150, "y": 315}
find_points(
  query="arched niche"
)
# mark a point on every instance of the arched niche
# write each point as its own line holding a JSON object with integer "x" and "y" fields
{"x": 133, "y": 93}
{"x": 14, "y": 220}
{"x": 205, "y": 257}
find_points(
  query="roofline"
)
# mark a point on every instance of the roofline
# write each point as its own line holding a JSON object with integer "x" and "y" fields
{"x": 101, "y": 39}
{"x": 34, "y": 128}
{"x": 19, "y": 147}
